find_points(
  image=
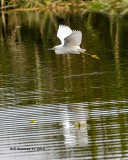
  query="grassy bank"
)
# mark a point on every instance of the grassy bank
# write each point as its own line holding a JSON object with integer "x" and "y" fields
{"x": 110, "y": 6}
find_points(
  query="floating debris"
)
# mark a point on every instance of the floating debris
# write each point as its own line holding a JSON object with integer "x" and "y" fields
{"x": 32, "y": 121}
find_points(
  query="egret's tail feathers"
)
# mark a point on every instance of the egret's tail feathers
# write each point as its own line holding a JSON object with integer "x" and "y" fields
{"x": 83, "y": 50}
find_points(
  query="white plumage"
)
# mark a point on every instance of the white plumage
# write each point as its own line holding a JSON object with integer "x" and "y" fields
{"x": 70, "y": 41}
{"x": 63, "y": 32}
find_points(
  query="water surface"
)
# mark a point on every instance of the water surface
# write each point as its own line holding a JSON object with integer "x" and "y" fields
{"x": 78, "y": 105}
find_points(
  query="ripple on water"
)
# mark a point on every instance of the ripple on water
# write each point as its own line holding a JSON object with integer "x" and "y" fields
{"x": 55, "y": 131}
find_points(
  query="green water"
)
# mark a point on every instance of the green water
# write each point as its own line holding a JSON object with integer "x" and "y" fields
{"x": 58, "y": 89}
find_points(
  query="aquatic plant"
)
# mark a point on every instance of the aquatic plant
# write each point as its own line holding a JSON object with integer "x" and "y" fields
{"x": 120, "y": 6}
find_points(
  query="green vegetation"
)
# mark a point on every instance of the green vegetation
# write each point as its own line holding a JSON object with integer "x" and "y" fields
{"x": 109, "y": 6}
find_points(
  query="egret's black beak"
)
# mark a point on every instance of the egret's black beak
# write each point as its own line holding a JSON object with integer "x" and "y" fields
{"x": 51, "y": 48}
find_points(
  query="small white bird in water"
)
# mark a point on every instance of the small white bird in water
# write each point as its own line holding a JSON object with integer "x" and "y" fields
{"x": 70, "y": 41}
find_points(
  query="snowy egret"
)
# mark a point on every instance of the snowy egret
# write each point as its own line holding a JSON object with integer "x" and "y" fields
{"x": 70, "y": 41}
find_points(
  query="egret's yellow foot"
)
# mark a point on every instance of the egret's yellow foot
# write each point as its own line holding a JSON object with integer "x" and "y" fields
{"x": 95, "y": 56}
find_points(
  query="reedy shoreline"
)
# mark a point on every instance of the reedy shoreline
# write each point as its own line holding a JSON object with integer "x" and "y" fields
{"x": 107, "y": 6}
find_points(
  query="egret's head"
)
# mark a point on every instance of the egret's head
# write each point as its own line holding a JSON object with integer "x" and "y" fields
{"x": 54, "y": 48}
{"x": 59, "y": 47}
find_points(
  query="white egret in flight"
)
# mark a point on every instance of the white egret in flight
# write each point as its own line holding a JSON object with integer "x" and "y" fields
{"x": 70, "y": 41}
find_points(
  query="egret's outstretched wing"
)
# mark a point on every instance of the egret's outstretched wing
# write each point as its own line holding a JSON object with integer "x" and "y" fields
{"x": 74, "y": 39}
{"x": 63, "y": 32}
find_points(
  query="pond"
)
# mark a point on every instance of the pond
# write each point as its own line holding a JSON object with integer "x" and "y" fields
{"x": 68, "y": 106}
